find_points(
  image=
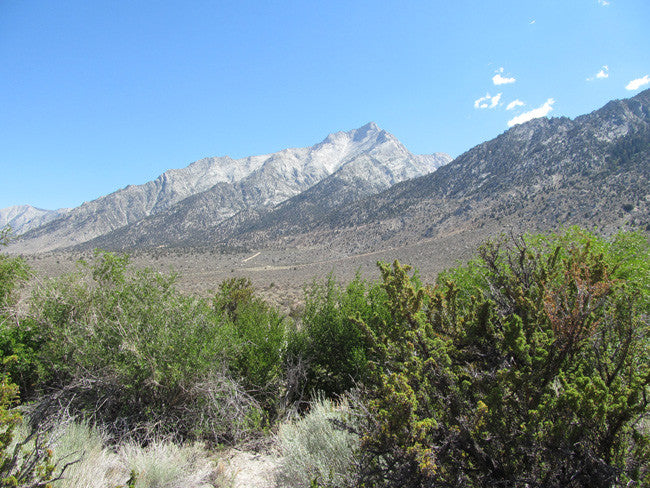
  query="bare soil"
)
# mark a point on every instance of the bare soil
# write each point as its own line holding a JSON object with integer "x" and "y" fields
{"x": 280, "y": 275}
{"x": 250, "y": 470}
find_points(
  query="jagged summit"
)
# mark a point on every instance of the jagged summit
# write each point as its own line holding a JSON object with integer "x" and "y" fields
{"x": 362, "y": 138}
{"x": 362, "y": 189}
{"x": 22, "y": 218}
{"x": 369, "y": 129}
{"x": 226, "y": 186}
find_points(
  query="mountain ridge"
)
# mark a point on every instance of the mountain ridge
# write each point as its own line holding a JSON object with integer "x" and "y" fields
{"x": 535, "y": 176}
{"x": 359, "y": 191}
{"x": 515, "y": 177}
{"x": 22, "y": 218}
{"x": 236, "y": 184}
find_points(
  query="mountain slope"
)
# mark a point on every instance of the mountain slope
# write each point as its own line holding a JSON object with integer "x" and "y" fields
{"x": 591, "y": 171}
{"x": 183, "y": 203}
{"x": 356, "y": 180}
{"x": 364, "y": 162}
{"x": 22, "y": 218}
{"x": 352, "y": 191}
{"x": 133, "y": 203}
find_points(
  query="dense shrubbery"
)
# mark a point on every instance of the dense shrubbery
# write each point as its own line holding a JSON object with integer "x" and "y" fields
{"x": 330, "y": 341}
{"x": 25, "y": 461}
{"x": 529, "y": 366}
{"x": 126, "y": 348}
{"x": 258, "y": 337}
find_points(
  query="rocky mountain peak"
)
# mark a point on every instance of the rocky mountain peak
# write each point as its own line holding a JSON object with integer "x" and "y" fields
{"x": 369, "y": 130}
{"x": 223, "y": 186}
{"x": 22, "y": 218}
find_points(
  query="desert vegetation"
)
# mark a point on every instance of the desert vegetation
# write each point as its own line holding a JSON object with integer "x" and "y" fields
{"x": 527, "y": 366}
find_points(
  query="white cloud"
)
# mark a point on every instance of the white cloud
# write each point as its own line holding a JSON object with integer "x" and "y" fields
{"x": 604, "y": 3}
{"x": 533, "y": 114}
{"x": 532, "y": 22}
{"x": 514, "y": 104}
{"x": 603, "y": 73}
{"x": 638, "y": 83}
{"x": 501, "y": 80}
{"x": 487, "y": 101}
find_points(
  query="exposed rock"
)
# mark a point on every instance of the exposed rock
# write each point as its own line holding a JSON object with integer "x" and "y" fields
{"x": 366, "y": 160}
{"x": 591, "y": 171}
{"x": 22, "y": 218}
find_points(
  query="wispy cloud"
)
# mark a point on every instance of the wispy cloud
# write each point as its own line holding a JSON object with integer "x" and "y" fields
{"x": 487, "y": 101}
{"x": 498, "y": 79}
{"x": 604, "y": 3}
{"x": 603, "y": 73}
{"x": 533, "y": 114}
{"x": 532, "y": 22}
{"x": 514, "y": 104}
{"x": 638, "y": 83}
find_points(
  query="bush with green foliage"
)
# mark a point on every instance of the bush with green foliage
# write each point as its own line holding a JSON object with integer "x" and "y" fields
{"x": 528, "y": 367}
{"x": 17, "y": 336}
{"x": 331, "y": 341}
{"x": 258, "y": 341}
{"x": 24, "y": 462}
{"x": 126, "y": 347}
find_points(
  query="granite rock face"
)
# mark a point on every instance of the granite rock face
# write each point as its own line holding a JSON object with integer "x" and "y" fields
{"x": 592, "y": 171}
{"x": 183, "y": 202}
{"x": 22, "y": 218}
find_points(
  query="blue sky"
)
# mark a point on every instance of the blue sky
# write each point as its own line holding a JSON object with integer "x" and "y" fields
{"x": 96, "y": 95}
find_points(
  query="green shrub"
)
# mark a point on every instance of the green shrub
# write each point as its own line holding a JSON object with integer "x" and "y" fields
{"x": 331, "y": 341}
{"x": 259, "y": 335}
{"x": 25, "y": 461}
{"x": 125, "y": 347}
{"x": 18, "y": 337}
{"x": 13, "y": 271}
{"x": 528, "y": 367}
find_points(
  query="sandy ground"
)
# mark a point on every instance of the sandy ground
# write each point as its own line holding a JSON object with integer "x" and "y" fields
{"x": 250, "y": 470}
{"x": 279, "y": 275}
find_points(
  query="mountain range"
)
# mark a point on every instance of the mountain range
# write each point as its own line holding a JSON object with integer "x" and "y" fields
{"x": 592, "y": 171}
{"x": 22, "y": 218}
{"x": 204, "y": 194}
{"x": 362, "y": 190}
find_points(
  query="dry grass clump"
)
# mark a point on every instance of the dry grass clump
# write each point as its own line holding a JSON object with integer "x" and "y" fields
{"x": 162, "y": 464}
{"x": 318, "y": 448}
{"x": 97, "y": 465}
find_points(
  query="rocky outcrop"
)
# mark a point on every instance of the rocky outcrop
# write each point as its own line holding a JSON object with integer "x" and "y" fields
{"x": 183, "y": 203}
{"x": 22, "y": 218}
